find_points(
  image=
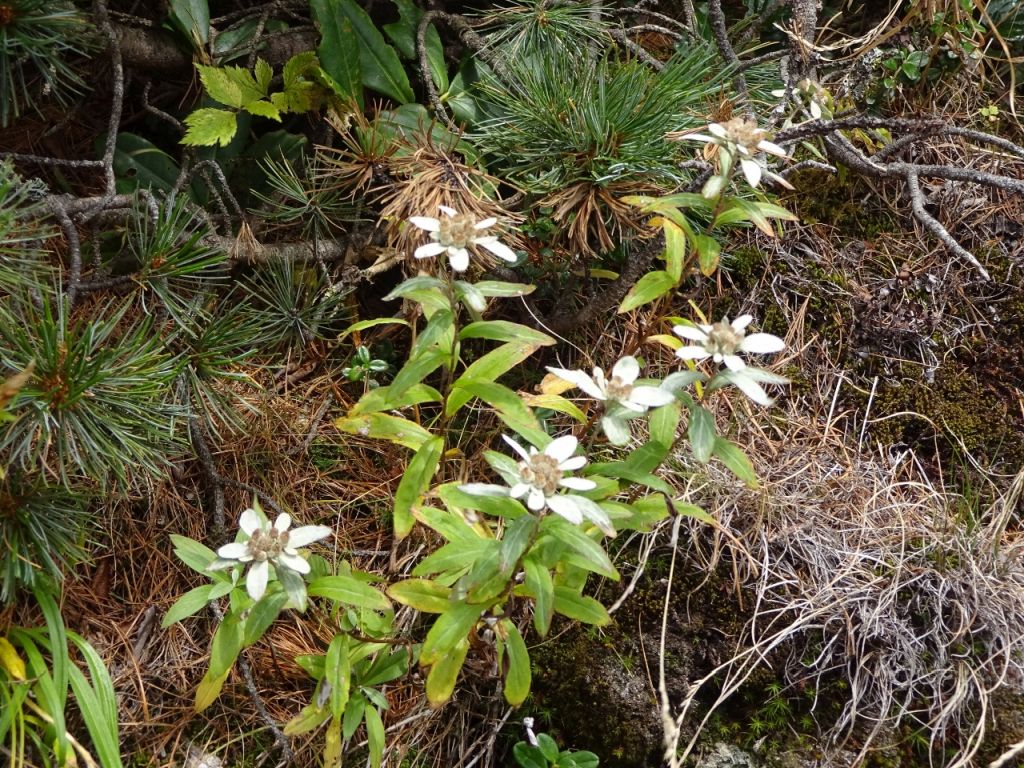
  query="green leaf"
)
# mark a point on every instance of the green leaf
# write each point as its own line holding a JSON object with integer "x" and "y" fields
{"x": 592, "y": 556}
{"x": 353, "y": 715}
{"x": 220, "y": 86}
{"x": 375, "y": 736}
{"x": 708, "y": 253}
{"x": 262, "y": 615}
{"x": 227, "y": 643}
{"x": 191, "y": 602}
{"x": 418, "y": 368}
{"x": 384, "y": 426}
{"x": 450, "y": 629}
{"x": 444, "y": 672}
{"x": 736, "y": 460}
{"x": 349, "y": 590}
{"x": 651, "y": 286}
{"x": 263, "y": 109}
{"x": 528, "y": 756}
{"x": 676, "y": 249}
{"x": 540, "y": 586}
{"x": 663, "y": 423}
{"x": 500, "y": 289}
{"x": 459, "y": 95}
{"x": 702, "y": 433}
{"x": 571, "y": 603}
{"x": 497, "y": 506}
{"x": 210, "y": 126}
{"x": 414, "y": 484}
{"x": 548, "y": 747}
{"x": 97, "y": 703}
{"x": 508, "y": 405}
{"x": 514, "y": 543}
{"x": 451, "y": 525}
{"x": 403, "y": 34}
{"x": 208, "y": 690}
{"x": 503, "y": 330}
{"x": 338, "y": 48}
{"x": 488, "y": 368}
{"x": 382, "y": 399}
{"x": 192, "y": 19}
{"x": 193, "y": 554}
{"x": 517, "y": 679}
{"x": 263, "y": 73}
{"x": 424, "y": 595}
{"x": 139, "y": 164}
{"x": 338, "y": 673}
{"x": 379, "y": 63}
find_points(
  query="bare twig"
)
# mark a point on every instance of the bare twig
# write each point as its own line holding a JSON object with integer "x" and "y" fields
{"x": 932, "y": 224}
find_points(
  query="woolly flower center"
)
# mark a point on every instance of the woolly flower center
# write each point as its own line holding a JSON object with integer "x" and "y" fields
{"x": 542, "y": 472}
{"x": 723, "y": 339}
{"x": 267, "y": 545}
{"x": 744, "y": 133}
{"x": 617, "y": 389}
{"x": 457, "y": 231}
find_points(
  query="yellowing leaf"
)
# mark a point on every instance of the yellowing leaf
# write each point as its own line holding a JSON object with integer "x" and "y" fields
{"x": 552, "y": 385}
{"x": 10, "y": 660}
{"x": 667, "y": 340}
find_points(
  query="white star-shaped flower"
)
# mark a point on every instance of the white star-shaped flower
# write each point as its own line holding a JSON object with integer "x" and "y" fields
{"x": 455, "y": 233}
{"x": 724, "y": 341}
{"x": 541, "y": 477}
{"x": 620, "y": 388}
{"x": 264, "y": 544}
{"x": 742, "y": 139}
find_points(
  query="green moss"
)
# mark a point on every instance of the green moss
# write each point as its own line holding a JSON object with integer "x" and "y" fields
{"x": 839, "y": 201}
{"x": 958, "y": 409}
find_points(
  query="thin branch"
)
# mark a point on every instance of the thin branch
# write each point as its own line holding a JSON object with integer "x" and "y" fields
{"x": 116, "y": 99}
{"x": 932, "y": 224}
{"x": 720, "y": 31}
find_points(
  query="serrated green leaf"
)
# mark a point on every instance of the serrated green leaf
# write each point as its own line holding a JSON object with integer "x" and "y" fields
{"x": 380, "y": 66}
{"x": 263, "y": 73}
{"x": 414, "y": 483}
{"x": 209, "y": 126}
{"x": 651, "y": 286}
{"x": 232, "y": 86}
{"x": 517, "y": 679}
{"x": 263, "y": 109}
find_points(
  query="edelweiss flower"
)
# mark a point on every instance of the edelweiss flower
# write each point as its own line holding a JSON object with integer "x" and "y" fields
{"x": 620, "y": 388}
{"x": 265, "y": 544}
{"x": 540, "y": 477}
{"x": 742, "y": 139}
{"x": 723, "y": 342}
{"x": 454, "y": 233}
{"x": 622, "y": 398}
